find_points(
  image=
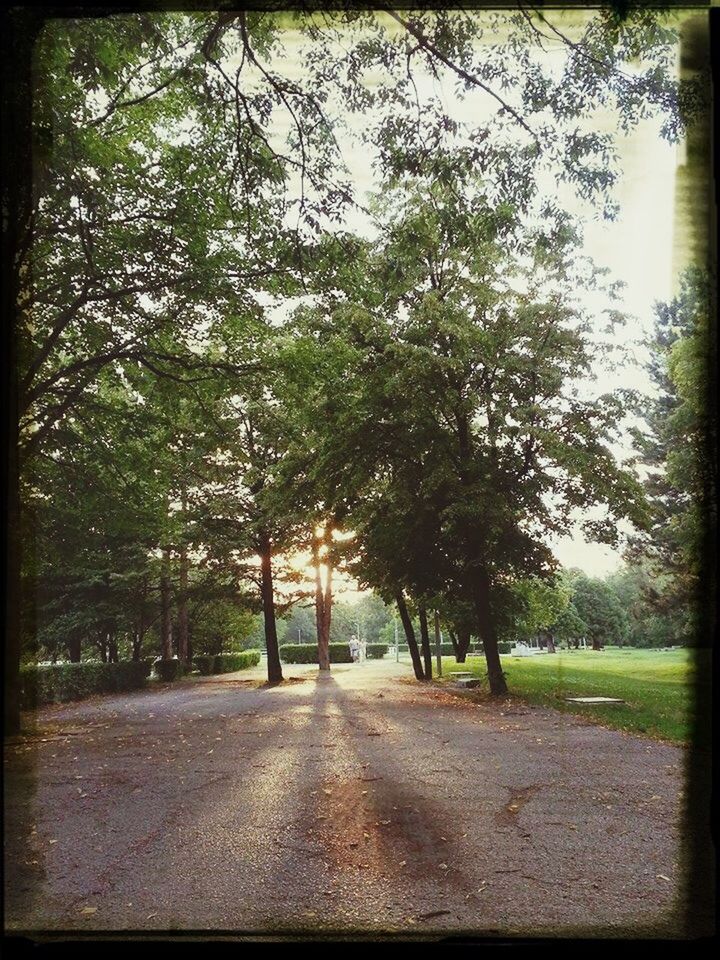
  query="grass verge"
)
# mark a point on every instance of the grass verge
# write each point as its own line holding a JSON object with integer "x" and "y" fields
{"x": 657, "y": 686}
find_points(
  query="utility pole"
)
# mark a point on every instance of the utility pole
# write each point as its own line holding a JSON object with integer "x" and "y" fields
{"x": 438, "y": 644}
{"x": 397, "y": 646}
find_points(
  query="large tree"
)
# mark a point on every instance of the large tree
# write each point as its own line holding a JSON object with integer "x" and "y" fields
{"x": 679, "y": 446}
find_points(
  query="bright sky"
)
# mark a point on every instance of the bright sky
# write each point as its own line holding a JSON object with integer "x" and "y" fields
{"x": 636, "y": 247}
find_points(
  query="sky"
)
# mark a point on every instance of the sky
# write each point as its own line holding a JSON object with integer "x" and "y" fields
{"x": 637, "y": 246}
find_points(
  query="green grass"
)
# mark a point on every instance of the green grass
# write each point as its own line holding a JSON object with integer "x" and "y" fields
{"x": 656, "y": 685}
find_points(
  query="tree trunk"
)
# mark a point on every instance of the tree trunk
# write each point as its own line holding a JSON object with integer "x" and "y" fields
{"x": 410, "y": 636}
{"x": 323, "y": 607}
{"x": 183, "y": 636}
{"x": 463, "y": 644}
{"x": 166, "y": 650}
{"x": 488, "y": 634}
{"x": 268, "y": 601}
{"x": 596, "y": 644}
{"x": 138, "y": 637}
{"x": 454, "y": 642}
{"x": 550, "y": 642}
{"x": 74, "y": 647}
{"x": 102, "y": 647}
{"x": 112, "y": 648}
{"x": 425, "y": 641}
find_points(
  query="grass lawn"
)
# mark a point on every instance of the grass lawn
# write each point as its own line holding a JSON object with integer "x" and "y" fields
{"x": 656, "y": 685}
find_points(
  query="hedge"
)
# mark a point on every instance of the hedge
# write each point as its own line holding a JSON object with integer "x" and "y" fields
{"x": 168, "y": 670}
{"x": 446, "y": 649}
{"x": 60, "y": 682}
{"x": 308, "y": 653}
{"x": 376, "y": 651}
{"x": 230, "y": 662}
{"x": 204, "y": 664}
{"x": 226, "y": 662}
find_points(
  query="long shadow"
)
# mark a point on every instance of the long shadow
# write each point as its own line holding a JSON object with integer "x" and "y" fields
{"x": 297, "y": 852}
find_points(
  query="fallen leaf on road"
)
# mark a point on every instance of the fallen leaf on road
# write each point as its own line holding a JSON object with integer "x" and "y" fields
{"x": 150, "y": 916}
{"x": 443, "y": 866}
{"x": 327, "y": 793}
{"x": 89, "y": 910}
{"x": 52, "y": 841}
{"x": 374, "y": 733}
{"x": 661, "y": 876}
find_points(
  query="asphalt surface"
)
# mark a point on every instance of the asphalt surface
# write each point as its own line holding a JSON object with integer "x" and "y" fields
{"x": 358, "y": 804}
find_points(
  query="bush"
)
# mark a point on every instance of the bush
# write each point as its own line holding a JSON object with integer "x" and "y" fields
{"x": 376, "y": 651}
{"x": 308, "y": 653}
{"x": 230, "y": 662}
{"x": 61, "y": 682}
{"x": 446, "y": 649}
{"x": 205, "y": 664}
{"x": 169, "y": 670}
{"x": 505, "y": 646}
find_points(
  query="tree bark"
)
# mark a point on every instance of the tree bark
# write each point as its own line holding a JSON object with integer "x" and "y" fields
{"x": 550, "y": 642}
{"x": 165, "y": 619}
{"x": 425, "y": 641}
{"x": 596, "y": 644}
{"x": 183, "y": 634}
{"x": 488, "y": 634}
{"x": 323, "y": 605}
{"x": 410, "y": 636}
{"x": 75, "y": 647}
{"x": 463, "y": 644}
{"x": 102, "y": 647}
{"x": 268, "y": 601}
{"x": 112, "y": 648}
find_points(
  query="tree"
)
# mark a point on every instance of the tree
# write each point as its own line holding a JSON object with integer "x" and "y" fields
{"x": 600, "y": 610}
{"x": 680, "y": 448}
{"x": 480, "y": 445}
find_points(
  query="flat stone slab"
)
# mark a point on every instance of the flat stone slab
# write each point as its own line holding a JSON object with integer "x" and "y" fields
{"x": 467, "y": 682}
{"x": 461, "y": 673}
{"x": 593, "y": 700}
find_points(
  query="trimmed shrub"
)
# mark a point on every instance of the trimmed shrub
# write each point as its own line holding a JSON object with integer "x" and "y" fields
{"x": 376, "y": 651}
{"x": 308, "y": 653}
{"x": 230, "y": 662}
{"x": 205, "y": 664}
{"x": 168, "y": 670}
{"x": 505, "y": 646}
{"x": 446, "y": 649}
{"x": 61, "y": 682}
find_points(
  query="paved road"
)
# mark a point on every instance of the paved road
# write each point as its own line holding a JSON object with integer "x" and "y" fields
{"x": 362, "y": 802}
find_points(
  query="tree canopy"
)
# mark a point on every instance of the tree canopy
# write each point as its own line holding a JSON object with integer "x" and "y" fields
{"x": 224, "y": 352}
